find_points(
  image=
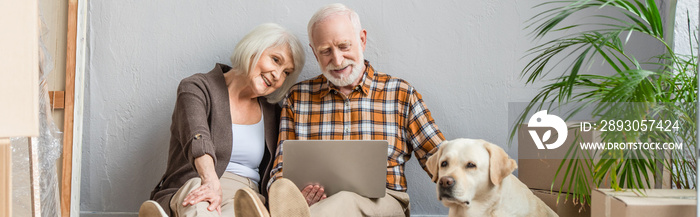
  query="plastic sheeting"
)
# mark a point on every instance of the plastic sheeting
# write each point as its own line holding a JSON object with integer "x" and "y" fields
{"x": 48, "y": 148}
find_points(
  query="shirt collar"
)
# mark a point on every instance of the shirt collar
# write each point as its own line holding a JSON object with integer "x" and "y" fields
{"x": 364, "y": 85}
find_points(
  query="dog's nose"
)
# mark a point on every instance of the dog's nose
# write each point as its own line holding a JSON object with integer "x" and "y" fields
{"x": 446, "y": 182}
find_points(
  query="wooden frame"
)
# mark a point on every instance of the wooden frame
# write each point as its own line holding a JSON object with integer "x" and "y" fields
{"x": 72, "y": 137}
{"x": 67, "y": 173}
{"x": 5, "y": 177}
{"x": 57, "y": 99}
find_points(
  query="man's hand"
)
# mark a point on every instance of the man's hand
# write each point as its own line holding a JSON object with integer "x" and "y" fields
{"x": 313, "y": 194}
{"x": 209, "y": 191}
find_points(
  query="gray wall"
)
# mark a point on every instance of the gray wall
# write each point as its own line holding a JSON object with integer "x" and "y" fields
{"x": 462, "y": 56}
{"x": 684, "y": 23}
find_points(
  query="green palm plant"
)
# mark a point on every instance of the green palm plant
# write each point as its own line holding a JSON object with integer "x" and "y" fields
{"x": 663, "y": 88}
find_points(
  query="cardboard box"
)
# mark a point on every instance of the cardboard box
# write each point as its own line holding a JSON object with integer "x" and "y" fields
{"x": 655, "y": 203}
{"x": 562, "y": 208}
{"x": 539, "y": 173}
{"x": 19, "y": 78}
{"x": 536, "y": 167}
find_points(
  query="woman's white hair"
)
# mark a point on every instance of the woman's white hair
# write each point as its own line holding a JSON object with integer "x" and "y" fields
{"x": 264, "y": 36}
{"x": 330, "y": 10}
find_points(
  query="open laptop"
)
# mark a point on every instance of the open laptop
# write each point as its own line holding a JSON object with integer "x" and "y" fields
{"x": 338, "y": 165}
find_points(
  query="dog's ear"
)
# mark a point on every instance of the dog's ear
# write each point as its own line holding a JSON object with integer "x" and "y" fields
{"x": 433, "y": 163}
{"x": 500, "y": 165}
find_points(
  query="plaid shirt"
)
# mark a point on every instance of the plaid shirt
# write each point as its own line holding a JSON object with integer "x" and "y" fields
{"x": 381, "y": 107}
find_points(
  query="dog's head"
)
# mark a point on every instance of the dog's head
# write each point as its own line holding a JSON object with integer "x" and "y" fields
{"x": 464, "y": 167}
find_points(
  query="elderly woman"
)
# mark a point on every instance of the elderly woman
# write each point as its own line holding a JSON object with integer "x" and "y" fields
{"x": 225, "y": 126}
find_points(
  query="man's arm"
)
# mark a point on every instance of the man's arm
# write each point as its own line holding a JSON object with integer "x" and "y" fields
{"x": 424, "y": 135}
{"x": 286, "y": 133}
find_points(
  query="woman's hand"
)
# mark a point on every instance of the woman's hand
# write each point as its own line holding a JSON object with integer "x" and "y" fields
{"x": 313, "y": 194}
{"x": 210, "y": 188}
{"x": 209, "y": 191}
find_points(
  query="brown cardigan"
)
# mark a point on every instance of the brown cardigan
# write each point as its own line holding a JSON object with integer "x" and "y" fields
{"x": 201, "y": 124}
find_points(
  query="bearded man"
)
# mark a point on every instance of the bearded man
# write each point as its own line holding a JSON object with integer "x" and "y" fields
{"x": 350, "y": 100}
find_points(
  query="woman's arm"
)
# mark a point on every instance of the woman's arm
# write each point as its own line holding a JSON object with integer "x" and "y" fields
{"x": 194, "y": 135}
{"x": 210, "y": 189}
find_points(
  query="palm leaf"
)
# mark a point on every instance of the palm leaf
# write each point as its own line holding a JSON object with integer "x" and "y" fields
{"x": 655, "y": 84}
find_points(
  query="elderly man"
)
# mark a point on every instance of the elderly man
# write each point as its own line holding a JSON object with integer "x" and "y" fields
{"x": 351, "y": 101}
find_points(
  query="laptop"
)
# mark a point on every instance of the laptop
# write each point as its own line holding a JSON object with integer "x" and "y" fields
{"x": 338, "y": 165}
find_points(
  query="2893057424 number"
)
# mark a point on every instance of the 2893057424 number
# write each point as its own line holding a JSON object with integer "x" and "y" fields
{"x": 638, "y": 125}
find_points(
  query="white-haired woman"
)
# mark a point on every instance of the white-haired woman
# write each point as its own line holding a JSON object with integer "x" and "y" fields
{"x": 225, "y": 126}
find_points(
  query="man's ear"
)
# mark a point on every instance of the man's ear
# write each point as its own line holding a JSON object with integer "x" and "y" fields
{"x": 363, "y": 39}
{"x": 433, "y": 163}
{"x": 313, "y": 51}
{"x": 500, "y": 165}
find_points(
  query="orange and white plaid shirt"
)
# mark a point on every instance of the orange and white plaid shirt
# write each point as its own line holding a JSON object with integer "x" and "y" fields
{"x": 381, "y": 107}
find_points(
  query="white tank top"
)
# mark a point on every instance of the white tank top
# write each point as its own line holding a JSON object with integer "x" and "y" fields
{"x": 248, "y": 150}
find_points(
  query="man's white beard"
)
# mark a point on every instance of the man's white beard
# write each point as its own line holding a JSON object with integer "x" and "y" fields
{"x": 343, "y": 80}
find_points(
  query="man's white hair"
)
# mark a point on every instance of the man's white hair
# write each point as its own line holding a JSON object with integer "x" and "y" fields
{"x": 330, "y": 10}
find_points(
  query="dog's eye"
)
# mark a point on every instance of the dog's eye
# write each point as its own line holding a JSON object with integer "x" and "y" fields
{"x": 471, "y": 165}
{"x": 443, "y": 164}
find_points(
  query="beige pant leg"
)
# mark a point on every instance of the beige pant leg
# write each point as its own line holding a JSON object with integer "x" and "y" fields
{"x": 394, "y": 203}
{"x": 230, "y": 183}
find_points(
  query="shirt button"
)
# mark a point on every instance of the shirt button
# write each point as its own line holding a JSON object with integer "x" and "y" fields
{"x": 198, "y": 136}
{"x": 347, "y": 129}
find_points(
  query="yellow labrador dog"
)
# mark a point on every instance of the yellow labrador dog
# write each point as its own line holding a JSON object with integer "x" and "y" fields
{"x": 474, "y": 179}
